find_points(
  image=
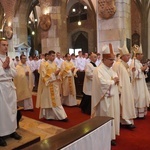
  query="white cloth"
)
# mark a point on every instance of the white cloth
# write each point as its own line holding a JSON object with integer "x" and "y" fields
{"x": 98, "y": 139}
{"x": 105, "y": 97}
{"x": 30, "y": 63}
{"x": 141, "y": 112}
{"x": 16, "y": 62}
{"x": 81, "y": 63}
{"x": 125, "y": 89}
{"x": 87, "y": 85}
{"x": 74, "y": 62}
{"x": 98, "y": 61}
{"x": 141, "y": 93}
{"x": 36, "y": 64}
{"x": 56, "y": 113}
{"x": 87, "y": 61}
{"x": 8, "y": 99}
{"x": 129, "y": 62}
{"x": 26, "y": 103}
{"x": 69, "y": 100}
{"x": 58, "y": 62}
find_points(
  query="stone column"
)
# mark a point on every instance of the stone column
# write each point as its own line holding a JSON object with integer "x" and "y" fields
{"x": 19, "y": 27}
{"x": 149, "y": 35}
{"x": 115, "y": 30}
{"x": 8, "y": 23}
{"x": 62, "y": 28}
{"x": 56, "y": 37}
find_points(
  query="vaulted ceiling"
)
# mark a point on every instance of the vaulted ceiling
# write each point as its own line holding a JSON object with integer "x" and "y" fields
{"x": 19, "y": 5}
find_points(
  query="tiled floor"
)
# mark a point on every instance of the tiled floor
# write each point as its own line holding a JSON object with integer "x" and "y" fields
{"x": 27, "y": 137}
{"x": 41, "y": 129}
{"x": 31, "y": 129}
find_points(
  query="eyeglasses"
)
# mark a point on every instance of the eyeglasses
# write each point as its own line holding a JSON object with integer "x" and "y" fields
{"x": 4, "y": 44}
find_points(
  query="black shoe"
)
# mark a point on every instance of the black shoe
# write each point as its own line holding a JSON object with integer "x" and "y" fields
{"x": 16, "y": 136}
{"x": 113, "y": 143}
{"x": 122, "y": 125}
{"x": 65, "y": 120}
{"x": 2, "y": 142}
{"x": 130, "y": 126}
{"x": 140, "y": 118}
{"x": 32, "y": 110}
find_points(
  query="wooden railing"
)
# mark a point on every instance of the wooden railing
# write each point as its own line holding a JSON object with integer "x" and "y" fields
{"x": 79, "y": 135}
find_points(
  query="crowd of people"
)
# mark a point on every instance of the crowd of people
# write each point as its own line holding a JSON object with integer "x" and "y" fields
{"x": 119, "y": 90}
{"x": 112, "y": 87}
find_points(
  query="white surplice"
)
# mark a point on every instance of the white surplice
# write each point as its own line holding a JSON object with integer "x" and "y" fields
{"x": 141, "y": 93}
{"x": 8, "y": 99}
{"x": 87, "y": 85}
{"x": 126, "y": 92}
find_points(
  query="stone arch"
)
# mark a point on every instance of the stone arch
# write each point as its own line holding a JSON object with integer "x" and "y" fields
{"x": 80, "y": 40}
{"x": 135, "y": 39}
{"x": 88, "y": 25}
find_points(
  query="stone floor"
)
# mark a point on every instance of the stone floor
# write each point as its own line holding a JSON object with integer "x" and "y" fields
{"x": 39, "y": 128}
{"x": 27, "y": 139}
{"x": 30, "y": 130}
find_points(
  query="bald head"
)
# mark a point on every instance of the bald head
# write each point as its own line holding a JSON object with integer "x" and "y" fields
{"x": 93, "y": 57}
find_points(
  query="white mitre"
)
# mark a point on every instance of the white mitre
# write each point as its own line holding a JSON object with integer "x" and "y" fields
{"x": 124, "y": 50}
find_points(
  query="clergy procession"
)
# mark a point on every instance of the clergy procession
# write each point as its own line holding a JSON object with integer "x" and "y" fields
{"x": 112, "y": 86}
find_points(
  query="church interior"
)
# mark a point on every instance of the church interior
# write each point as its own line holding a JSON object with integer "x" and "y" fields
{"x": 34, "y": 27}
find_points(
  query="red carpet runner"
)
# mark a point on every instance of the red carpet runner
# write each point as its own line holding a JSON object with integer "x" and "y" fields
{"x": 138, "y": 139}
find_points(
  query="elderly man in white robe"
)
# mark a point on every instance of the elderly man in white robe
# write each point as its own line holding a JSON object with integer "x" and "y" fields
{"x": 126, "y": 93}
{"x": 141, "y": 93}
{"x": 85, "y": 104}
{"x": 105, "y": 94}
{"x": 8, "y": 99}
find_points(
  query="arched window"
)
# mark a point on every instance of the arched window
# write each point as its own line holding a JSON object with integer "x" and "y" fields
{"x": 78, "y": 12}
